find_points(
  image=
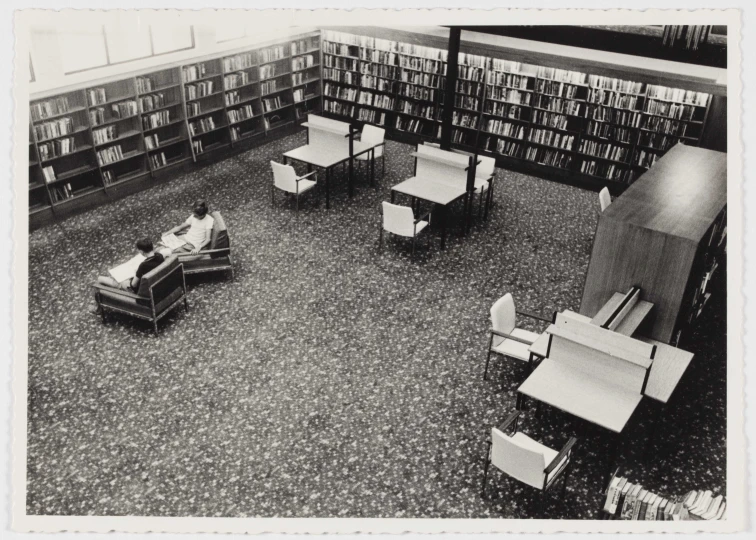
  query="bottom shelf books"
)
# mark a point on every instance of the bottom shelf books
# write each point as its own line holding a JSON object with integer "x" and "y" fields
{"x": 628, "y": 501}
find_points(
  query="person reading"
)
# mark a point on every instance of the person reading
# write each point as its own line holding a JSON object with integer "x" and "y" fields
{"x": 149, "y": 261}
{"x": 198, "y": 227}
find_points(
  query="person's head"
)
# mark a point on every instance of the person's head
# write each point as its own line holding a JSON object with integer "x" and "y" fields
{"x": 199, "y": 209}
{"x": 145, "y": 245}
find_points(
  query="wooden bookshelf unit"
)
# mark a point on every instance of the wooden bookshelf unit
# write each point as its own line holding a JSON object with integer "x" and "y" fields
{"x": 97, "y": 143}
{"x": 667, "y": 235}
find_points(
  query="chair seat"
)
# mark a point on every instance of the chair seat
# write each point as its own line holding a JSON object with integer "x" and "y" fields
{"x": 548, "y": 454}
{"x": 512, "y": 348}
{"x": 306, "y": 185}
{"x": 420, "y": 226}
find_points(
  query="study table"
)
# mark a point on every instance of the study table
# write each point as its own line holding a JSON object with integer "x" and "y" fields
{"x": 440, "y": 178}
{"x": 583, "y": 393}
{"x": 329, "y": 143}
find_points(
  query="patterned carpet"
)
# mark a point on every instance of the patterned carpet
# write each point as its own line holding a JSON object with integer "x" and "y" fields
{"x": 327, "y": 379}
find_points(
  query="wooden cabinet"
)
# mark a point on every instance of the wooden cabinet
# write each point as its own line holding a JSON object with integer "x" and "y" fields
{"x": 666, "y": 234}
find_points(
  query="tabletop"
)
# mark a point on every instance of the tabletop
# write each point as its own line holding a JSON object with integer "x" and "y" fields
{"x": 317, "y": 156}
{"x": 569, "y": 390}
{"x": 430, "y": 190}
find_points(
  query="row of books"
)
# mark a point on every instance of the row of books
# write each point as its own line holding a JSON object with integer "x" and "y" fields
{"x": 124, "y": 109}
{"x": 385, "y": 85}
{"x": 238, "y": 62}
{"x": 610, "y": 171}
{"x": 629, "y": 501}
{"x": 201, "y": 125}
{"x": 605, "y": 150}
{"x": 505, "y": 110}
{"x": 615, "y": 116}
{"x": 341, "y": 49}
{"x": 700, "y": 99}
{"x": 687, "y": 37}
{"x": 562, "y": 75}
{"x": 550, "y": 119}
{"x": 664, "y": 125}
{"x": 234, "y": 80}
{"x": 304, "y": 45}
{"x": 48, "y": 173}
{"x": 345, "y": 77}
{"x": 96, "y": 96}
{"x": 466, "y": 102}
{"x": 156, "y": 119}
{"x": 603, "y": 130}
{"x": 468, "y": 88}
{"x": 558, "y": 89}
{"x": 302, "y": 62}
{"x": 238, "y": 115}
{"x": 613, "y": 99}
{"x": 470, "y": 73}
{"x": 615, "y": 85}
{"x": 464, "y": 119}
{"x": 339, "y": 108}
{"x": 509, "y": 95}
{"x": 505, "y": 147}
{"x": 507, "y": 129}
{"x": 105, "y": 134}
{"x": 560, "y": 105}
{"x": 272, "y": 54}
{"x": 551, "y": 138}
{"x": 427, "y": 65}
{"x": 200, "y": 89}
{"x": 508, "y": 79}
{"x": 193, "y": 108}
{"x": 54, "y": 128}
{"x": 371, "y": 116}
{"x": 300, "y": 78}
{"x": 379, "y": 70}
{"x": 61, "y": 192}
{"x": 158, "y": 160}
{"x": 150, "y": 102}
{"x": 410, "y": 125}
{"x": 269, "y": 87}
{"x": 671, "y": 110}
{"x": 152, "y": 141}
{"x": 658, "y": 141}
{"x": 111, "y": 154}
{"x": 416, "y": 109}
{"x": 192, "y": 73}
{"x": 338, "y": 62}
{"x": 144, "y": 84}
{"x": 271, "y": 104}
{"x": 50, "y": 107}
{"x": 340, "y": 92}
{"x": 301, "y": 94}
{"x": 546, "y": 156}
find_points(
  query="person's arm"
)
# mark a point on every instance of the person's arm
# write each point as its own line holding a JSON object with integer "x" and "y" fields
{"x": 178, "y": 228}
{"x": 206, "y": 241}
{"x": 135, "y": 283}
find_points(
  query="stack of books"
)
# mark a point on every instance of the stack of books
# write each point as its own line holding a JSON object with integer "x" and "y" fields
{"x": 625, "y": 500}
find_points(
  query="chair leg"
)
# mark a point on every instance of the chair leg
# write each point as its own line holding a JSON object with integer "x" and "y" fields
{"x": 297, "y": 204}
{"x": 414, "y": 240}
{"x": 488, "y": 360}
{"x": 272, "y": 195}
{"x": 485, "y": 477}
{"x": 383, "y": 164}
{"x": 480, "y": 203}
{"x": 380, "y": 238}
{"x": 155, "y": 326}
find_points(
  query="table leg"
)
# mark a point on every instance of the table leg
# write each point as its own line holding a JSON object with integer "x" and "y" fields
{"x": 442, "y": 212}
{"x": 613, "y": 455}
{"x": 328, "y": 188}
{"x": 372, "y": 167}
{"x": 393, "y": 193}
{"x": 350, "y": 180}
{"x": 309, "y": 168}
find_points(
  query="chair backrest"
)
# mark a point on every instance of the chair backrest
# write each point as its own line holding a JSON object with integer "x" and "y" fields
{"x": 398, "y": 219}
{"x": 373, "y": 135}
{"x": 166, "y": 286}
{"x": 503, "y": 314}
{"x": 605, "y": 199}
{"x": 284, "y": 177}
{"x": 219, "y": 238}
{"x": 520, "y": 461}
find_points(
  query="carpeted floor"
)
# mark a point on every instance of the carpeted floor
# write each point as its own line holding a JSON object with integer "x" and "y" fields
{"x": 328, "y": 378}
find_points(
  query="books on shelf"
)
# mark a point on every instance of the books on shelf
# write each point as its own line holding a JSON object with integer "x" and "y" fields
{"x": 97, "y": 116}
{"x": 108, "y": 176}
{"x": 608, "y": 170}
{"x": 605, "y": 150}
{"x": 239, "y": 62}
{"x": 271, "y": 104}
{"x": 508, "y": 95}
{"x": 193, "y": 108}
{"x": 700, "y": 99}
{"x": 269, "y": 87}
{"x": 551, "y": 138}
{"x": 144, "y": 84}
{"x": 156, "y": 119}
{"x": 123, "y": 109}
{"x": 272, "y": 54}
{"x": 339, "y": 62}
{"x": 61, "y": 192}
{"x": 199, "y": 89}
{"x": 410, "y": 125}
{"x": 197, "y": 146}
{"x": 345, "y": 77}
{"x": 105, "y": 134}
{"x": 192, "y": 73}
{"x": 505, "y": 147}
{"x": 96, "y": 96}
{"x": 268, "y": 71}
{"x": 507, "y": 129}
{"x": 151, "y": 141}
{"x": 48, "y": 173}
{"x": 56, "y": 148}
{"x": 203, "y": 125}
{"x": 416, "y": 109}
{"x": 234, "y": 80}
{"x": 150, "y": 102}
{"x": 562, "y": 75}
{"x": 50, "y": 107}
{"x": 54, "y": 128}
{"x": 547, "y": 156}
{"x": 371, "y": 116}
{"x": 339, "y": 108}
{"x": 560, "y": 105}
{"x": 302, "y": 62}
{"x": 465, "y": 119}
{"x": 158, "y": 160}
{"x": 304, "y": 45}
{"x": 111, "y": 154}
{"x": 615, "y": 85}
{"x": 498, "y": 78}
{"x": 237, "y": 115}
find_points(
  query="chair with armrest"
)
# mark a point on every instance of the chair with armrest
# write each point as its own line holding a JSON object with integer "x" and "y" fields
{"x": 217, "y": 256}
{"x": 525, "y": 459}
{"x": 160, "y": 291}
{"x": 285, "y": 178}
{"x": 605, "y": 199}
{"x": 400, "y": 220}
{"x": 505, "y": 338}
{"x": 372, "y": 137}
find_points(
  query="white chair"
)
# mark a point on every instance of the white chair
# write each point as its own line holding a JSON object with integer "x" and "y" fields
{"x": 605, "y": 199}
{"x": 525, "y": 459}
{"x": 484, "y": 179}
{"x": 285, "y": 178}
{"x": 372, "y": 136}
{"x": 506, "y": 339}
{"x": 400, "y": 220}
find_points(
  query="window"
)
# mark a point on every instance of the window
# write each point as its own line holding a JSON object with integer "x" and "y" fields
{"x": 82, "y": 49}
{"x": 118, "y": 43}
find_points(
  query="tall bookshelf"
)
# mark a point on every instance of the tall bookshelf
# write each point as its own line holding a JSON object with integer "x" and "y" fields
{"x": 89, "y": 145}
{"x": 583, "y": 125}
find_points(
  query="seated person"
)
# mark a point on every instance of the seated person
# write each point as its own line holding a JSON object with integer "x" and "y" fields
{"x": 152, "y": 260}
{"x": 200, "y": 229}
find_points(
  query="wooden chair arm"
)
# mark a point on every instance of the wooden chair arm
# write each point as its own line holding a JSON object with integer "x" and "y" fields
{"x": 120, "y": 292}
{"x": 508, "y": 336}
{"x": 566, "y": 449}
{"x": 426, "y": 217}
{"x": 512, "y": 418}
{"x": 533, "y": 316}
{"x": 178, "y": 268}
{"x": 363, "y": 152}
{"x": 203, "y": 252}
{"x": 306, "y": 175}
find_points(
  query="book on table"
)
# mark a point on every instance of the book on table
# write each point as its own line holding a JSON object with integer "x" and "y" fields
{"x": 127, "y": 270}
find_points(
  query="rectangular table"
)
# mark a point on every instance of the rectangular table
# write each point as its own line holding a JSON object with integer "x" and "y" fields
{"x": 434, "y": 192}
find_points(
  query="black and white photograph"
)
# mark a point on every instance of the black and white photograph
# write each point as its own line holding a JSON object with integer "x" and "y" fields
{"x": 384, "y": 270}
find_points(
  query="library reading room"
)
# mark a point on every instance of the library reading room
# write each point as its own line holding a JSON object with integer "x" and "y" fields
{"x": 377, "y": 271}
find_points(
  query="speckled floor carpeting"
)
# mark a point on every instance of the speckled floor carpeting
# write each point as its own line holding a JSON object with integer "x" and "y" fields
{"x": 327, "y": 379}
